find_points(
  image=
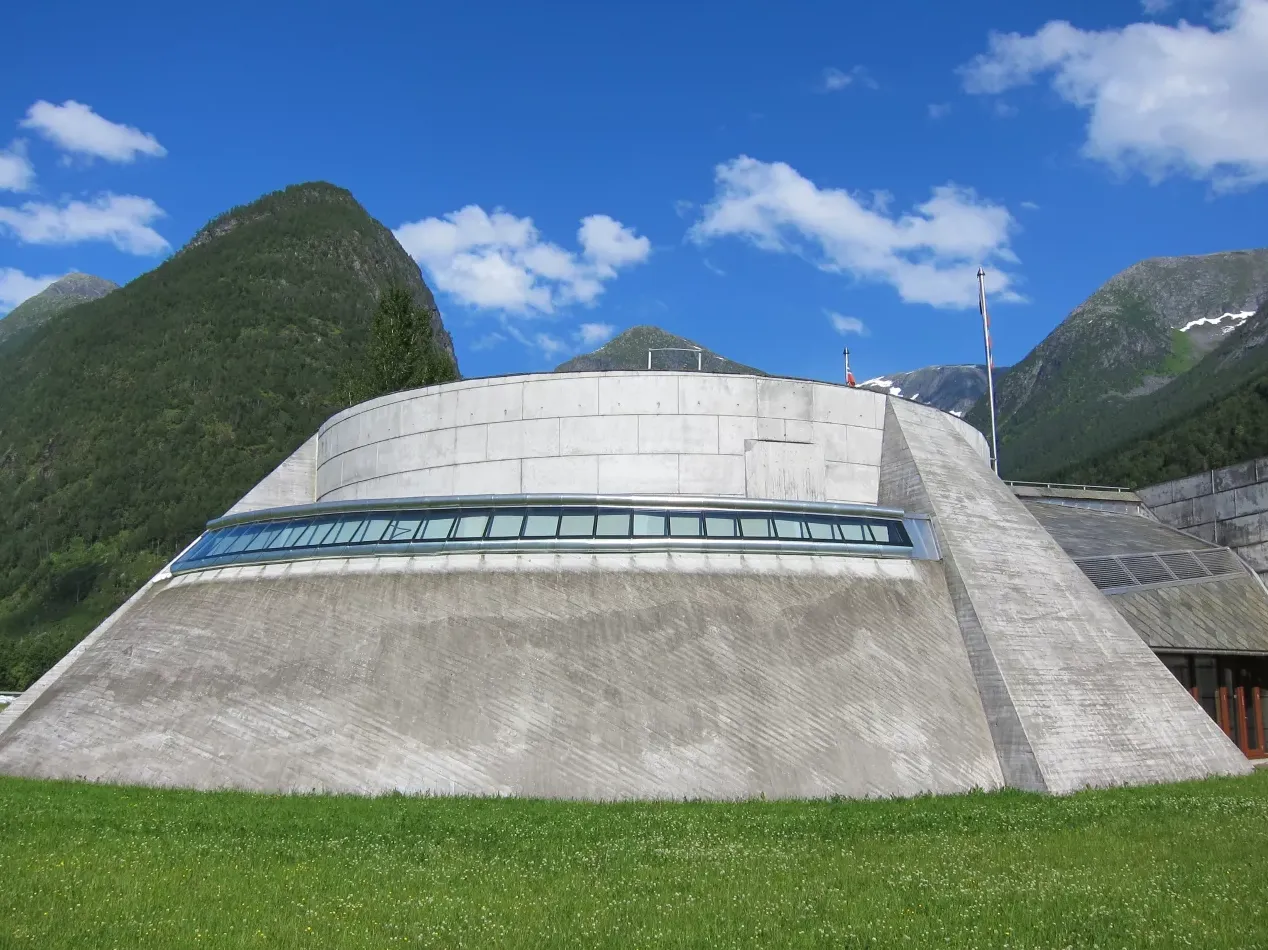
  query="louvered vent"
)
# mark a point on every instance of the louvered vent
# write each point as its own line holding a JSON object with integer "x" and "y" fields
{"x": 1151, "y": 570}
{"x": 1220, "y": 561}
{"x": 1184, "y": 565}
{"x": 1147, "y": 569}
{"x": 1106, "y": 572}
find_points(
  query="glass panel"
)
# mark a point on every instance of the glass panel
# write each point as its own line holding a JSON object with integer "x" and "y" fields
{"x": 375, "y": 529}
{"x": 344, "y": 530}
{"x": 613, "y": 524}
{"x": 244, "y": 537}
{"x": 719, "y": 526}
{"x": 201, "y": 547}
{"x": 752, "y": 527}
{"x": 471, "y": 527}
{"x": 880, "y": 532}
{"x": 1207, "y": 681}
{"x": 286, "y": 537}
{"x": 321, "y": 530}
{"x": 541, "y": 526}
{"x": 819, "y": 529}
{"x": 437, "y": 528}
{"x": 649, "y": 524}
{"x": 223, "y": 538}
{"x": 786, "y": 527}
{"x": 264, "y": 537}
{"x": 853, "y": 531}
{"x": 576, "y": 525}
{"x": 684, "y": 526}
{"x": 403, "y": 529}
{"x": 506, "y": 524}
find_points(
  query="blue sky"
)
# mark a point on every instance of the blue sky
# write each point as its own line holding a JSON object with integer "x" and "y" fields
{"x": 772, "y": 180}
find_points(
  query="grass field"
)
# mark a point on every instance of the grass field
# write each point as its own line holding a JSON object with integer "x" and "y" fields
{"x": 1169, "y": 866}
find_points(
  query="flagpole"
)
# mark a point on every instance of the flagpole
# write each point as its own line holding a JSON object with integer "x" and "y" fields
{"x": 990, "y": 364}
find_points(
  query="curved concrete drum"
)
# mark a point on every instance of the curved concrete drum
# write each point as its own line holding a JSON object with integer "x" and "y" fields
{"x": 647, "y": 585}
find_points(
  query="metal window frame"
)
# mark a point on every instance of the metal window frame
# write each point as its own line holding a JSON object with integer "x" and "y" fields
{"x": 454, "y": 507}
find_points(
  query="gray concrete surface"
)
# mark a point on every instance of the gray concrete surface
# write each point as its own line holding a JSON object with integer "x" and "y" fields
{"x": 577, "y": 676}
{"x": 291, "y": 483}
{"x": 1084, "y": 532}
{"x": 1226, "y": 506}
{"x": 1094, "y": 706}
{"x": 636, "y": 433}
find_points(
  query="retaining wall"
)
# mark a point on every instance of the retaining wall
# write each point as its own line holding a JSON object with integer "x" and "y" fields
{"x": 1226, "y": 506}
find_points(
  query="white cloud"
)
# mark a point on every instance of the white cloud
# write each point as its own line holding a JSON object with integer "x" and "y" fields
{"x": 16, "y": 171}
{"x": 550, "y": 346}
{"x": 74, "y": 127}
{"x": 1154, "y": 7}
{"x": 16, "y": 286}
{"x": 500, "y": 262}
{"x": 1184, "y": 99}
{"x": 939, "y": 110}
{"x": 595, "y": 334}
{"x": 929, "y": 254}
{"x": 1029, "y": 206}
{"x": 846, "y": 325}
{"x": 835, "y": 79}
{"x": 123, "y": 220}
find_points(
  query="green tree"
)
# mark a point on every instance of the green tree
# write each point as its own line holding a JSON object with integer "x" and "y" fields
{"x": 402, "y": 352}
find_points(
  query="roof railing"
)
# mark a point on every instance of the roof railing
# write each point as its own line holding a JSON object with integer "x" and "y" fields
{"x": 1114, "y": 488}
{"x": 700, "y": 354}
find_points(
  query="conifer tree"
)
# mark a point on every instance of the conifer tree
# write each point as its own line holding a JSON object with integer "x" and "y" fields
{"x": 402, "y": 352}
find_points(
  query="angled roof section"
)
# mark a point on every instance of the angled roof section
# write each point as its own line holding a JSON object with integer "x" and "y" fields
{"x": 1085, "y": 532}
{"x": 1226, "y": 615}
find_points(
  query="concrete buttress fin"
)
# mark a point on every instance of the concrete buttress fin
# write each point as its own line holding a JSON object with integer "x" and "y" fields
{"x": 901, "y": 486}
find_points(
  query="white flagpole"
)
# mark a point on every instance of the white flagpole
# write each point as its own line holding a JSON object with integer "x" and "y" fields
{"x": 990, "y": 364}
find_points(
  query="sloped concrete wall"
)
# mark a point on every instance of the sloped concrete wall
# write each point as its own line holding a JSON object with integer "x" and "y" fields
{"x": 291, "y": 483}
{"x": 638, "y": 433}
{"x": 1075, "y": 698}
{"x": 1226, "y": 506}
{"x": 580, "y": 676}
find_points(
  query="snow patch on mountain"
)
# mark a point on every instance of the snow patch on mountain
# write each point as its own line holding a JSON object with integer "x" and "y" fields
{"x": 881, "y": 383}
{"x": 1236, "y": 320}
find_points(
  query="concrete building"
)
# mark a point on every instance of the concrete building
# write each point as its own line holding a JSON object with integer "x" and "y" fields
{"x": 616, "y": 585}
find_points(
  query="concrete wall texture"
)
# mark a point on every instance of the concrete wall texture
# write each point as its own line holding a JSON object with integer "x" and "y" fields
{"x": 1226, "y": 506}
{"x": 618, "y": 675}
{"x": 584, "y": 433}
{"x": 582, "y": 676}
{"x": 291, "y": 483}
{"x": 1074, "y": 697}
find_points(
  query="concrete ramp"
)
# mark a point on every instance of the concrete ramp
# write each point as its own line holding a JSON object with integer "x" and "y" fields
{"x": 672, "y": 677}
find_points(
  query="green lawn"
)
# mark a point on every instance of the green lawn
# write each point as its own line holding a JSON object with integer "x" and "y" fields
{"x": 1169, "y": 866}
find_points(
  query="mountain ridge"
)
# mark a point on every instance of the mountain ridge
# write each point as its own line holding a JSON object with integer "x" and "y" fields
{"x": 951, "y": 387}
{"x": 65, "y": 292}
{"x": 628, "y": 350}
{"x": 130, "y": 422}
{"x": 1059, "y": 403}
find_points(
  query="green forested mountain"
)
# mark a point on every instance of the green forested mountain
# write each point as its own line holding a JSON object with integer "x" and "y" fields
{"x": 1214, "y": 415}
{"x": 36, "y": 311}
{"x": 1068, "y": 400}
{"x": 628, "y": 351}
{"x": 129, "y": 421}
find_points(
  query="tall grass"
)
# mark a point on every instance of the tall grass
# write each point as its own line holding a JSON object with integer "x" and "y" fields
{"x": 1167, "y": 866}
